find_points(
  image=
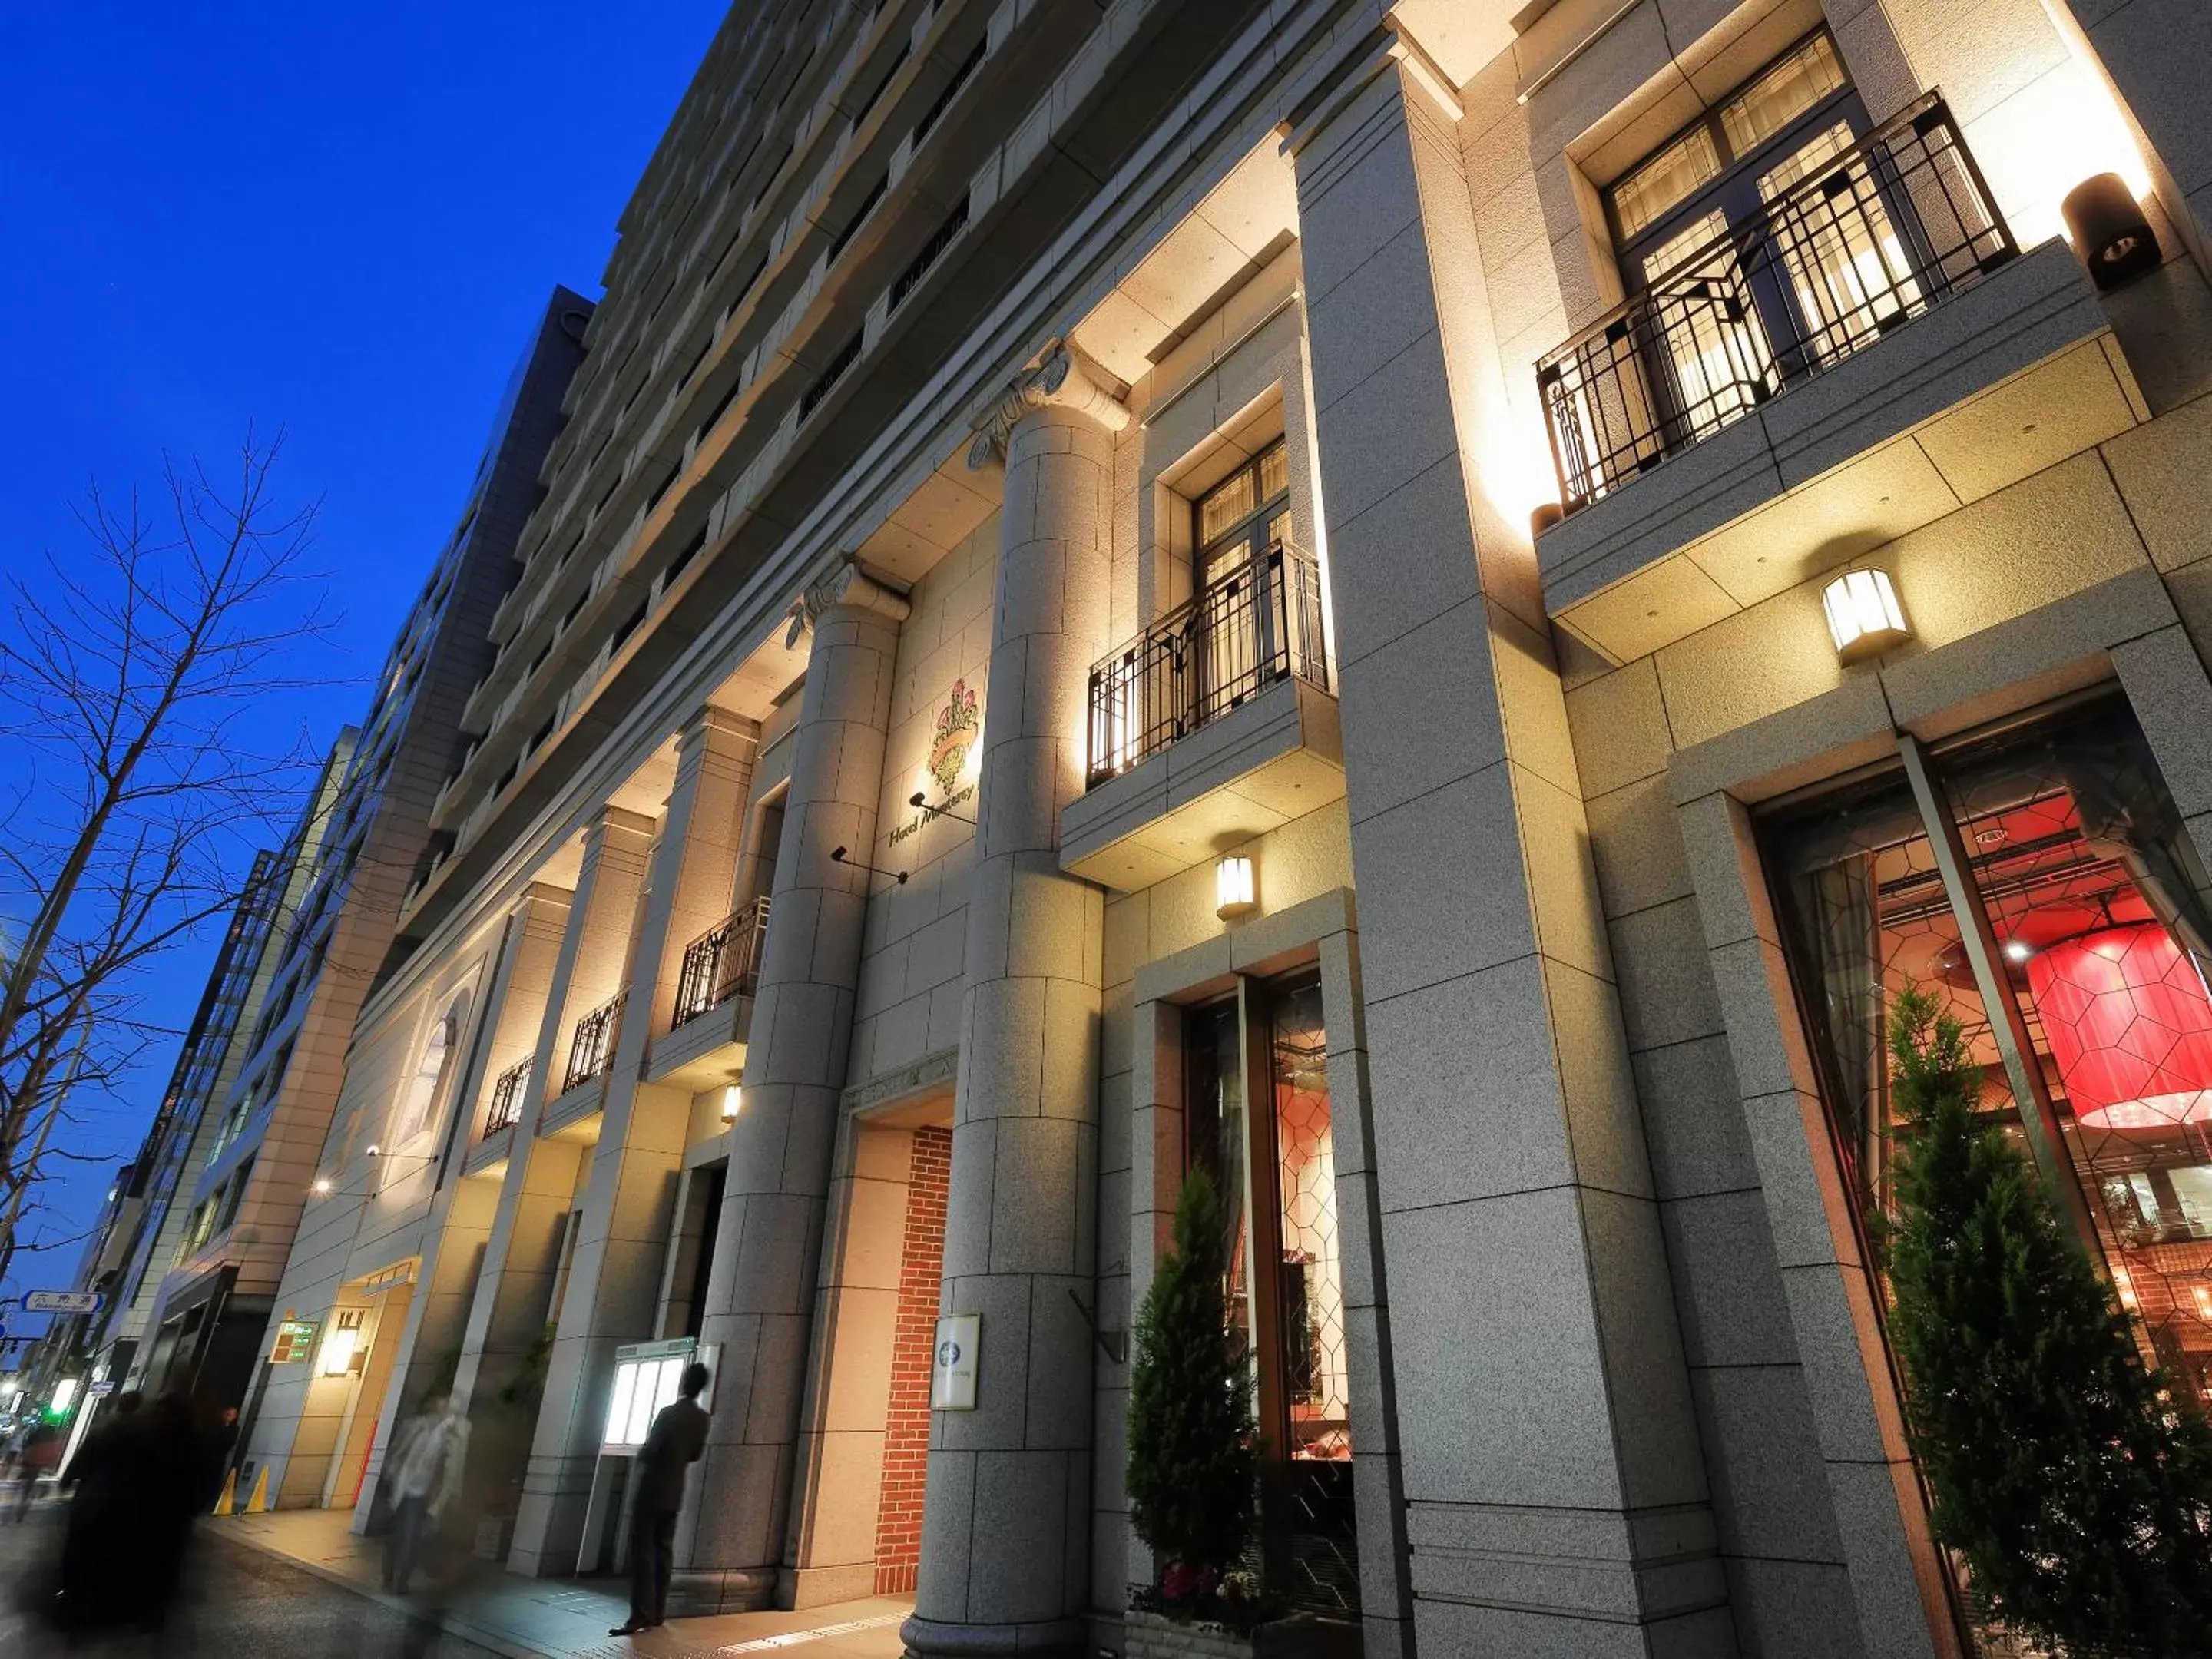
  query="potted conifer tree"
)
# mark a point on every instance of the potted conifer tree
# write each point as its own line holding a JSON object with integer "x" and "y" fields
{"x": 1193, "y": 1465}
{"x": 2074, "y": 1479}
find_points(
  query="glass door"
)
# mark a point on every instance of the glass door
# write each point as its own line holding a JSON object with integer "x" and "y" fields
{"x": 1276, "y": 1166}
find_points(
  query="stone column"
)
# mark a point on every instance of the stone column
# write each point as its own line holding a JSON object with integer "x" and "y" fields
{"x": 514, "y": 1279}
{"x": 628, "y": 1210}
{"x": 1555, "y": 1492}
{"x": 760, "y": 1293}
{"x": 541, "y": 1176}
{"x": 1005, "y": 1556}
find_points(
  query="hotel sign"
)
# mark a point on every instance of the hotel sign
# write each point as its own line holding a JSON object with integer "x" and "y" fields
{"x": 951, "y": 741}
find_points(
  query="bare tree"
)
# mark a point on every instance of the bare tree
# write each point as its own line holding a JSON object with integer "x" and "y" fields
{"x": 136, "y": 680}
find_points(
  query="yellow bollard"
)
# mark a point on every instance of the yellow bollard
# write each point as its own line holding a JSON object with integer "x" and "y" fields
{"x": 222, "y": 1504}
{"x": 258, "y": 1504}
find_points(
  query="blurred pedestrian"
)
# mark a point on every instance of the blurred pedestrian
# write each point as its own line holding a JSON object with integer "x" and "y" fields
{"x": 674, "y": 1443}
{"x": 37, "y": 1448}
{"x": 103, "y": 1441}
{"x": 141, "y": 1481}
{"x": 423, "y": 1472}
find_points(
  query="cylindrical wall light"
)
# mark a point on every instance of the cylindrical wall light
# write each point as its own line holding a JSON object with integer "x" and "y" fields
{"x": 2109, "y": 229}
{"x": 1234, "y": 892}
{"x": 734, "y": 1100}
{"x": 1865, "y": 617}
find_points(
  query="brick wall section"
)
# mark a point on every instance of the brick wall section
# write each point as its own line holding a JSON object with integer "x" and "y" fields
{"x": 906, "y": 1437}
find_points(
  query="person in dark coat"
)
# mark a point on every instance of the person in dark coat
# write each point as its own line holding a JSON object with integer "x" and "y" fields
{"x": 674, "y": 1443}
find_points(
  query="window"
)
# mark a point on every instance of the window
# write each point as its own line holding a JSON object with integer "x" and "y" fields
{"x": 1257, "y": 1118}
{"x": 421, "y": 1094}
{"x": 1236, "y": 525}
{"x": 1685, "y": 219}
{"x": 2099, "y": 1040}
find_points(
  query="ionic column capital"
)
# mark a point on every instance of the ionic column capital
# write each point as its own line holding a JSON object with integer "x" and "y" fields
{"x": 849, "y": 586}
{"x": 1057, "y": 379}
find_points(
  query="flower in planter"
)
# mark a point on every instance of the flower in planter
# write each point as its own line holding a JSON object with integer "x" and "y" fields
{"x": 1182, "y": 1582}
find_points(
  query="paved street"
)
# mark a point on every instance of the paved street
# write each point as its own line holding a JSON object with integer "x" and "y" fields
{"x": 243, "y": 1605}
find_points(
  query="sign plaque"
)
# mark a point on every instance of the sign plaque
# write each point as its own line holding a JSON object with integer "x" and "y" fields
{"x": 65, "y": 1301}
{"x": 953, "y": 1364}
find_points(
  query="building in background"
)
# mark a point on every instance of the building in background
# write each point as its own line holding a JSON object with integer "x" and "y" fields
{"x": 1426, "y": 607}
{"x": 190, "y": 1263}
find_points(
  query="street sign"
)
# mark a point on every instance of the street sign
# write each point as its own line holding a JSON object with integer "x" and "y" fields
{"x": 65, "y": 1301}
{"x": 102, "y": 1388}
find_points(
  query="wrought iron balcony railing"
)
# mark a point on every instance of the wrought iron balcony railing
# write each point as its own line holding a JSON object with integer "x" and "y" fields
{"x": 592, "y": 1050}
{"x": 722, "y": 963}
{"x": 1259, "y": 624}
{"x": 1868, "y": 240}
{"x": 506, "y": 1099}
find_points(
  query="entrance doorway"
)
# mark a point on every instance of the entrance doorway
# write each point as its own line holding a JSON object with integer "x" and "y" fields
{"x": 1258, "y": 1118}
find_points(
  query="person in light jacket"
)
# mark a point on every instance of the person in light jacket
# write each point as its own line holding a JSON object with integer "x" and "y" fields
{"x": 674, "y": 1443}
{"x": 424, "y": 1469}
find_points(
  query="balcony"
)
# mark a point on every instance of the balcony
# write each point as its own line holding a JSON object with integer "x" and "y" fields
{"x": 704, "y": 1045}
{"x": 506, "y": 1099}
{"x": 592, "y": 1047}
{"x": 722, "y": 963}
{"x": 1215, "y": 723}
{"x": 1814, "y": 384}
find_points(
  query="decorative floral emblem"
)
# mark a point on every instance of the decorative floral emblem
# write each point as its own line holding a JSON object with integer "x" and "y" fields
{"x": 957, "y": 725}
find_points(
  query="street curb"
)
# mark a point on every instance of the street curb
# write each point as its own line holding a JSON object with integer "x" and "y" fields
{"x": 451, "y": 1624}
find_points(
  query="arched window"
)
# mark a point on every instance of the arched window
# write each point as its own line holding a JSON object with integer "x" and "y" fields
{"x": 420, "y": 1097}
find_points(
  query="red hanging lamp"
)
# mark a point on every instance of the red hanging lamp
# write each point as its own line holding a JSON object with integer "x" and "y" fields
{"x": 2129, "y": 1023}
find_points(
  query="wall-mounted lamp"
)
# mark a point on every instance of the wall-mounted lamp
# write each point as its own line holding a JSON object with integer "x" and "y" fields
{"x": 733, "y": 1101}
{"x": 1863, "y": 616}
{"x": 1234, "y": 892}
{"x": 340, "y": 1344}
{"x": 2109, "y": 229}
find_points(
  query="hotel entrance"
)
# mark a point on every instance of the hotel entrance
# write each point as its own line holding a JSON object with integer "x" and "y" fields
{"x": 1258, "y": 1119}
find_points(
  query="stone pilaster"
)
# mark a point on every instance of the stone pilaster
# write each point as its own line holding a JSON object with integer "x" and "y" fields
{"x": 760, "y": 1294}
{"x": 1005, "y": 1529}
{"x": 611, "y": 1291}
{"x": 1555, "y": 1492}
{"x": 514, "y": 1279}
{"x": 542, "y": 1173}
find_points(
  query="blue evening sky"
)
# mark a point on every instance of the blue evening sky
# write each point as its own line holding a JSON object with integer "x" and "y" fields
{"x": 340, "y": 220}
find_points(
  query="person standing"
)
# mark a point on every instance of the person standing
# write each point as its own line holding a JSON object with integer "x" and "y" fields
{"x": 674, "y": 1443}
{"x": 425, "y": 1468}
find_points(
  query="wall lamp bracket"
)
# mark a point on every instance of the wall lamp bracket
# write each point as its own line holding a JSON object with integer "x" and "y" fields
{"x": 839, "y": 855}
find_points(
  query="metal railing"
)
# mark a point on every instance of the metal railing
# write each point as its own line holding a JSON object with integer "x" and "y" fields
{"x": 1869, "y": 239}
{"x": 1259, "y": 624}
{"x": 722, "y": 963}
{"x": 506, "y": 1099}
{"x": 592, "y": 1050}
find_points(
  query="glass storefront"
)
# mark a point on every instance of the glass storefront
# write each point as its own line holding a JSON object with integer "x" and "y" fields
{"x": 2074, "y": 883}
{"x": 1277, "y": 1169}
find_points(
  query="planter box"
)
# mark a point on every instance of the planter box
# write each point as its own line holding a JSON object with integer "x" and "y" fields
{"x": 1149, "y": 1635}
{"x": 1302, "y": 1636}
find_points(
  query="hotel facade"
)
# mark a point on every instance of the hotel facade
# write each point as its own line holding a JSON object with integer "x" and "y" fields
{"x": 1428, "y": 608}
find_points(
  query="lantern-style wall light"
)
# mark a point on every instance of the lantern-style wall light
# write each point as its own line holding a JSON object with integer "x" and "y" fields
{"x": 1234, "y": 893}
{"x": 1865, "y": 617}
{"x": 733, "y": 1101}
{"x": 342, "y": 1342}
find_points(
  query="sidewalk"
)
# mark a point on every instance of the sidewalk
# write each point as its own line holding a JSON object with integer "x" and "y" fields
{"x": 565, "y": 1618}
